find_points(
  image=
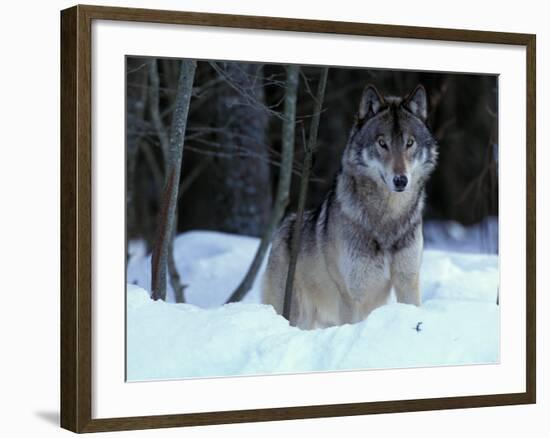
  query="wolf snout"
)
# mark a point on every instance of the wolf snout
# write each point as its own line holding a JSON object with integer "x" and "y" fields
{"x": 400, "y": 182}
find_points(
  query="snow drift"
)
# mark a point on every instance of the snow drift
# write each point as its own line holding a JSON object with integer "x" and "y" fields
{"x": 457, "y": 324}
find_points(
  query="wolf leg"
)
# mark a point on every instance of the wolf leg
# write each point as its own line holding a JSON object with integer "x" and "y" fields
{"x": 407, "y": 289}
{"x": 405, "y": 271}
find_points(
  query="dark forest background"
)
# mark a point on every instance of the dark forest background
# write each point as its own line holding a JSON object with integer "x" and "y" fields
{"x": 232, "y": 149}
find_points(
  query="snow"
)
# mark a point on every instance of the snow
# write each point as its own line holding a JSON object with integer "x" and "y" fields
{"x": 457, "y": 324}
{"x": 212, "y": 264}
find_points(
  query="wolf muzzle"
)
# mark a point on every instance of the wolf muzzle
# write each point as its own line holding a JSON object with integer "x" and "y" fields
{"x": 400, "y": 182}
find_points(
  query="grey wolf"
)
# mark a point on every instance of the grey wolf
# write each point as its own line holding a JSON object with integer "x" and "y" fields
{"x": 366, "y": 236}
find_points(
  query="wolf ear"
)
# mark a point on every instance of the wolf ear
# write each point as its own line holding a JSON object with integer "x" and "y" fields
{"x": 371, "y": 103}
{"x": 417, "y": 102}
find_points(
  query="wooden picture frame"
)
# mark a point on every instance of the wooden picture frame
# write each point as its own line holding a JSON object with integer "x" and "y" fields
{"x": 76, "y": 218}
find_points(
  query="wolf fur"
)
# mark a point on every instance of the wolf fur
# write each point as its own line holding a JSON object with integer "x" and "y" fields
{"x": 366, "y": 236}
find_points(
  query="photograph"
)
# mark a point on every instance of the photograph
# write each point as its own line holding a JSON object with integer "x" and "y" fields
{"x": 285, "y": 219}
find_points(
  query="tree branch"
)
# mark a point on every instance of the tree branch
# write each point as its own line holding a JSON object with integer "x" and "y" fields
{"x": 155, "y": 111}
{"x": 306, "y": 169}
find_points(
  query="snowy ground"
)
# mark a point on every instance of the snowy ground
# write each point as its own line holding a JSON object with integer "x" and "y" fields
{"x": 459, "y": 319}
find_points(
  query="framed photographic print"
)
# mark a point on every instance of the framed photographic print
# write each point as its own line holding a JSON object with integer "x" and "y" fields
{"x": 268, "y": 218}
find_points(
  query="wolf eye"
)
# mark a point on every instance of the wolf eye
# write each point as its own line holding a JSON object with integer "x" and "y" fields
{"x": 382, "y": 143}
{"x": 410, "y": 142}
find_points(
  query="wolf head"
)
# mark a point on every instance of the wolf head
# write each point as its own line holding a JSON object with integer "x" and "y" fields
{"x": 390, "y": 142}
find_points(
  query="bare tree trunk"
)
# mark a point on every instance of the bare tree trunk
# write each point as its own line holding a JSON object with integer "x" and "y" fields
{"x": 283, "y": 186}
{"x": 177, "y": 286}
{"x": 306, "y": 170}
{"x": 241, "y": 187}
{"x": 159, "y": 260}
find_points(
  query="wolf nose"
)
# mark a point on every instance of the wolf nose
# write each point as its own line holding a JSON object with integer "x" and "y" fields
{"x": 400, "y": 182}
